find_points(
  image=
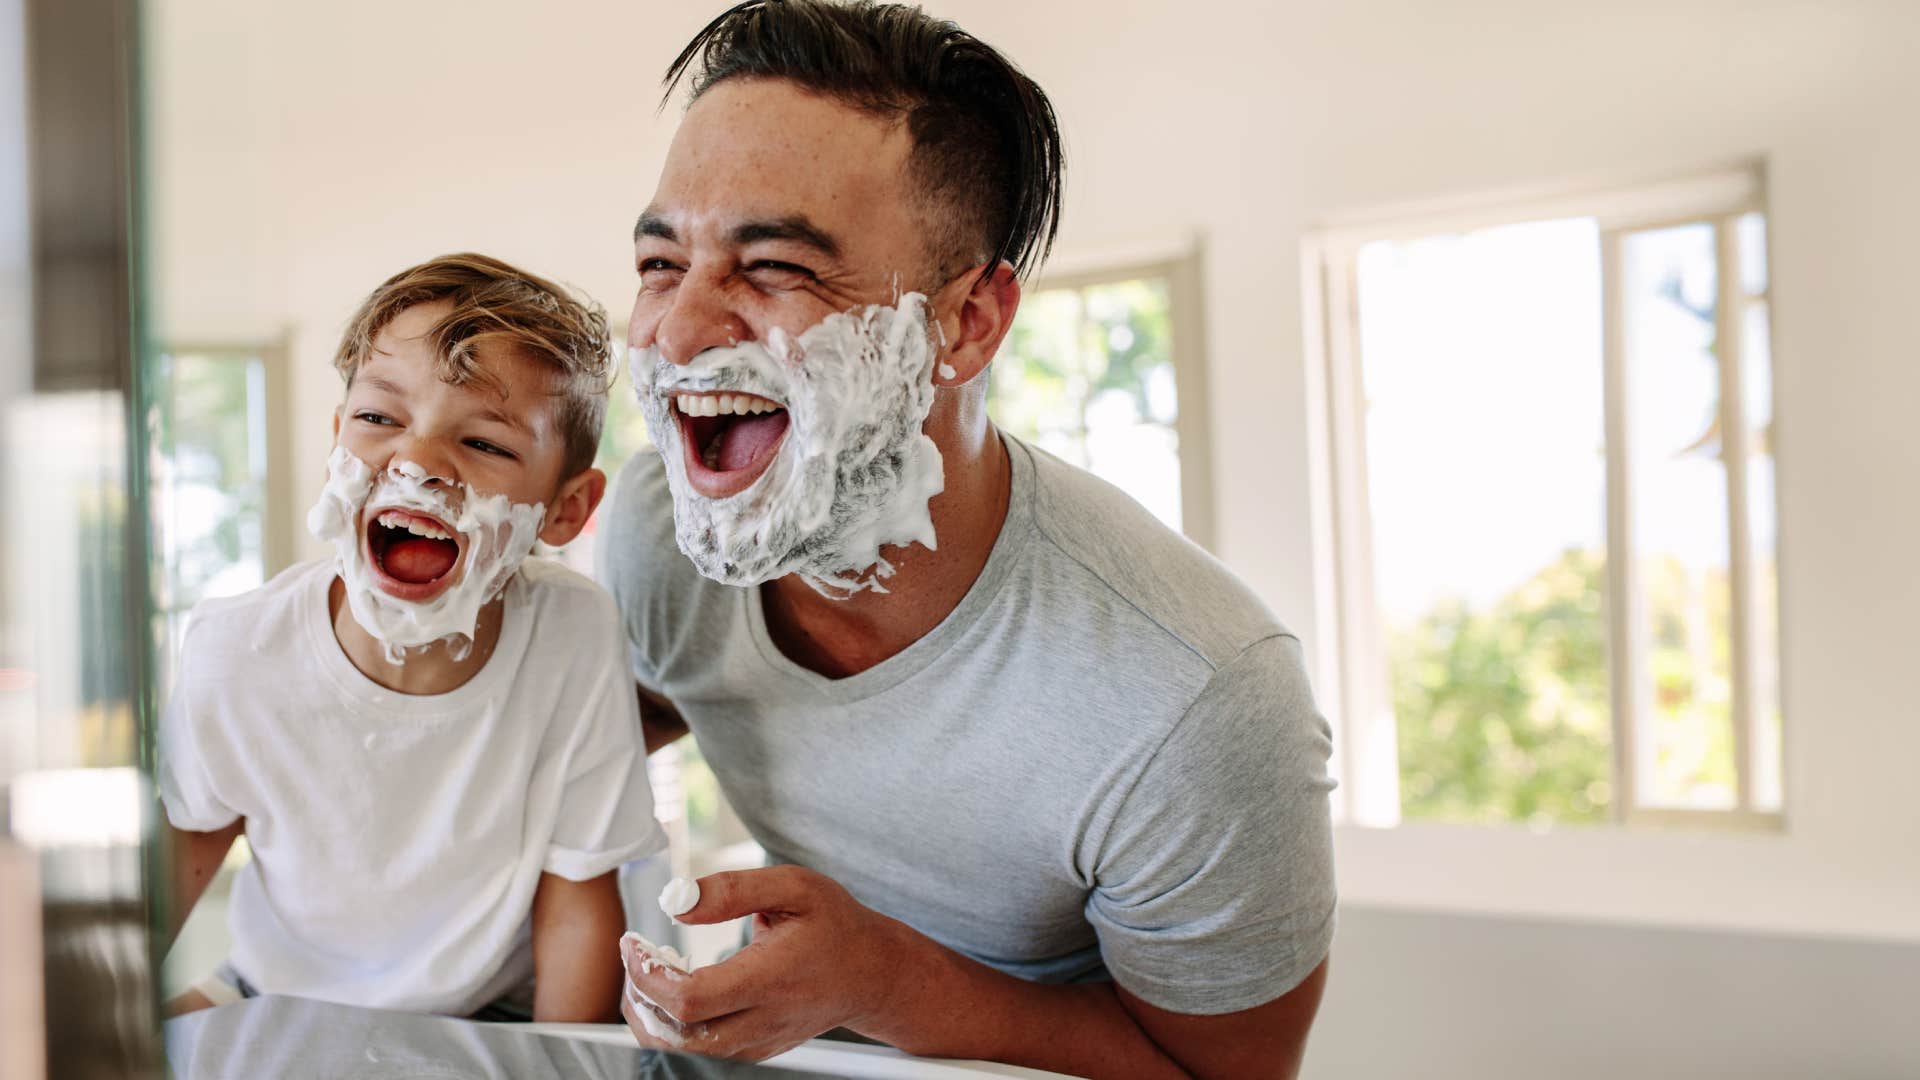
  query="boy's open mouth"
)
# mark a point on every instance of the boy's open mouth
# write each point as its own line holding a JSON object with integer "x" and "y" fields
{"x": 730, "y": 439}
{"x": 413, "y": 555}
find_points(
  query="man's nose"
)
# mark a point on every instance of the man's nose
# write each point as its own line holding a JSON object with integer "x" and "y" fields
{"x": 699, "y": 318}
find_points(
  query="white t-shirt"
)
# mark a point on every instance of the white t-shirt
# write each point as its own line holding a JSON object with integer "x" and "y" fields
{"x": 398, "y": 839}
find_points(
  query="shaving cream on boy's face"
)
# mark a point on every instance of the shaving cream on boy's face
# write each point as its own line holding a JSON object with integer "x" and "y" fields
{"x": 417, "y": 563}
{"x": 833, "y": 420}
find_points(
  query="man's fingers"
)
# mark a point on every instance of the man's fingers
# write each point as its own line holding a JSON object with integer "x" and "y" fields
{"x": 744, "y": 1036}
{"x": 734, "y": 894}
{"x": 744, "y": 980}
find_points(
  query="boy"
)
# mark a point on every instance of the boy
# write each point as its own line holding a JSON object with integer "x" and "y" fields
{"x": 432, "y": 747}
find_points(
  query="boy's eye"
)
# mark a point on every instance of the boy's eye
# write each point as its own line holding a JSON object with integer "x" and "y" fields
{"x": 372, "y": 417}
{"x": 486, "y": 447}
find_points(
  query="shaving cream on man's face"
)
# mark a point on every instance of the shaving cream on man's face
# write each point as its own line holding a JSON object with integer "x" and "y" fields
{"x": 810, "y": 450}
{"x": 419, "y": 563}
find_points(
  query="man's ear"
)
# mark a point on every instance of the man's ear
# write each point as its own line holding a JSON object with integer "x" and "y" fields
{"x": 572, "y": 506}
{"x": 973, "y": 313}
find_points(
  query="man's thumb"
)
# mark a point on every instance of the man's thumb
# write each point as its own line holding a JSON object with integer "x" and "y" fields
{"x": 732, "y": 894}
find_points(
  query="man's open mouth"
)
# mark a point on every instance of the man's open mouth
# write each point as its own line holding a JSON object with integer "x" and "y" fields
{"x": 413, "y": 555}
{"x": 730, "y": 439}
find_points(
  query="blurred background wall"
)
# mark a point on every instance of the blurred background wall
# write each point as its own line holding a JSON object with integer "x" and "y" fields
{"x": 302, "y": 153}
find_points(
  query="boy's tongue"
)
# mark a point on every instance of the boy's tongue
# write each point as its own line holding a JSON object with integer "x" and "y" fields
{"x": 417, "y": 560}
{"x": 744, "y": 440}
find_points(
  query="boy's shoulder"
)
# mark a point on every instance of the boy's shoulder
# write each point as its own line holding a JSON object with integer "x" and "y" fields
{"x": 573, "y": 623}
{"x": 263, "y": 613}
{"x": 556, "y": 591}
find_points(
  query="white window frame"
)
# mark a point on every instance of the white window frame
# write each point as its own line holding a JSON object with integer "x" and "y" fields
{"x": 1181, "y": 269}
{"x": 1352, "y": 677}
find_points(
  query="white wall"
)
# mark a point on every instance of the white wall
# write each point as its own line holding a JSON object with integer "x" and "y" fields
{"x": 306, "y": 151}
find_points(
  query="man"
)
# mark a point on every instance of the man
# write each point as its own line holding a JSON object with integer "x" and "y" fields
{"x": 1042, "y": 783}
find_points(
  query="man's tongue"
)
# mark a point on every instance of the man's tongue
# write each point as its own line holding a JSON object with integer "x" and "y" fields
{"x": 743, "y": 441}
{"x": 417, "y": 560}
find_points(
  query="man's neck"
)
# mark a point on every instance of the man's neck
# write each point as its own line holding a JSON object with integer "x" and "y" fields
{"x": 839, "y": 638}
{"x": 428, "y": 670}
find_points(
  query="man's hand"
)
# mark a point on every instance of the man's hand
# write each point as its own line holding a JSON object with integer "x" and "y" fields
{"x": 818, "y": 960}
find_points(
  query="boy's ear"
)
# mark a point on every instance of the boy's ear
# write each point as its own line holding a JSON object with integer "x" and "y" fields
{"x": 572, "y": 507}
{"x": 978, "y": 311}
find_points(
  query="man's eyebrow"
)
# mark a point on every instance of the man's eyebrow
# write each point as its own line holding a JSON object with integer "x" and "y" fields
{"x": 796, "y": 229}
{"x": 652, "y": 224}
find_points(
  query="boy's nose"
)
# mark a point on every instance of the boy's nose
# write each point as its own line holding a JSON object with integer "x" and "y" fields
{"x": 423, "y": 463}
{"x": 700, "y": 319}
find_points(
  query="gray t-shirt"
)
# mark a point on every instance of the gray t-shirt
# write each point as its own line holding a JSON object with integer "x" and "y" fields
{"x": 1105, "y": 762}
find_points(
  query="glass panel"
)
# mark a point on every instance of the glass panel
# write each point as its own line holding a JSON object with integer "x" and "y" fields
{"x": 1487, "y": 483}
{"x": 1751, "y": 232}
{"x": 1756, "y": 381}
{"x": 1088, "y": 376}
{"x": 209, "y": 481}
{"x": 1677, "y": 484}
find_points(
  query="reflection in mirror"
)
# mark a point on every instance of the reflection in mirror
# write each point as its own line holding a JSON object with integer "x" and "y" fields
{"x": 294, "y": 1038}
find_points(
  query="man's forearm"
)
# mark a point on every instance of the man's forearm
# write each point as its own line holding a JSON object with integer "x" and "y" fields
{"x": 949, "y": 1006}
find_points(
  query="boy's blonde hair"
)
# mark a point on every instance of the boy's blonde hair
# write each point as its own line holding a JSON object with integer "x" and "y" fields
{"x": 497, "y": 304}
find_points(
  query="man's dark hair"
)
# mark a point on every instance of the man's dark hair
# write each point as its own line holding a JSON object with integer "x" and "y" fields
{"x": 986, "y": 147}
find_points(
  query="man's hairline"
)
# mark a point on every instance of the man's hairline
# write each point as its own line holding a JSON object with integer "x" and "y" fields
{"x": 926, "y": 191}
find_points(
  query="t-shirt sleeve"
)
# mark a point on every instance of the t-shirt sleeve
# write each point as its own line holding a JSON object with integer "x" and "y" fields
{"x": 184, "y": 763}
{"x": 1214, "y": 883}
{"x": 606, "y": 802}
{"x": 630, "y": 537}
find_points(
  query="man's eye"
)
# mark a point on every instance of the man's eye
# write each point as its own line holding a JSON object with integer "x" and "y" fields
{"x": 780, "y": 274}
{"x": 486, "y": 447}
{"x": 658, "y": 274}
{"x": 373, "y": 418}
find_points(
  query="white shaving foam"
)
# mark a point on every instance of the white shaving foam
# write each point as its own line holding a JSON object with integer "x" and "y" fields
{"x": 659, "y": 1023}
{"x": 498, "y": 534}
{"x": 855, "y": 470}
{"x": 680, "y": 896}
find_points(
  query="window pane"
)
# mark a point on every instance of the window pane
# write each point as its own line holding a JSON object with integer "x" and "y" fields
{"x": 1756, "y": 381}
{"x": 1678, "y": 515}
{"x": 1752, "y": 233}
{"x": 1486, "y": 477}
{"x": 210, "y": 476}
{"x": 1087, "y": 375}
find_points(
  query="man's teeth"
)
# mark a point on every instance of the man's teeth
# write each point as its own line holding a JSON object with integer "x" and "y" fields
{"x": 724, "y": 405}
{"x": 393, "y": 519}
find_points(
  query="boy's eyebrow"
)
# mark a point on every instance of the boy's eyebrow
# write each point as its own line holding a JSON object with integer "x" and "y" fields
{"x": 501, "y": 416}
{"x": 381, "y": 383}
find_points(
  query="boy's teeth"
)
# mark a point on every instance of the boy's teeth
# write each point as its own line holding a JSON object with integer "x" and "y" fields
{"x": 395, "y": 520}
{"x": 723, "y": 404}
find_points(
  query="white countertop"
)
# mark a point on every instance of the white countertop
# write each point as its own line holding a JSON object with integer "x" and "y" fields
{"x": 828, "y": 1057}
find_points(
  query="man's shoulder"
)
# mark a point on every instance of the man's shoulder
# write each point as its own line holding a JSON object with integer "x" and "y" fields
{"x": 1125, "y": 557}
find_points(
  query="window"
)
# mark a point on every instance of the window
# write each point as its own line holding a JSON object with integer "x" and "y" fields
{"x": 1103, "y": 370}
{"x": 216, "y": 475}
{"x": 1550, "y": 439}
